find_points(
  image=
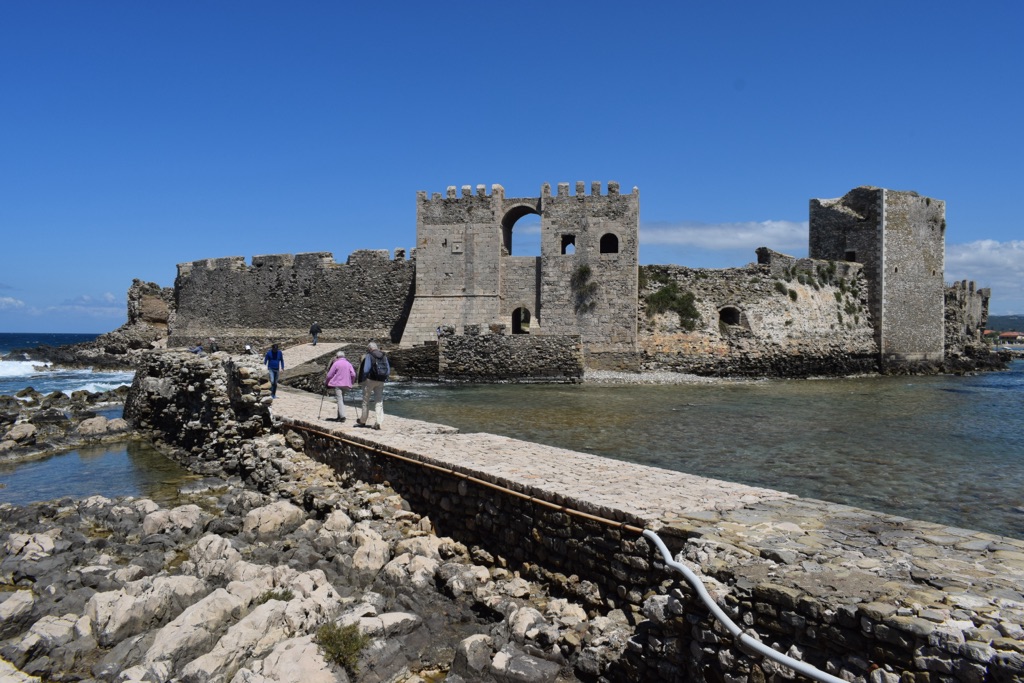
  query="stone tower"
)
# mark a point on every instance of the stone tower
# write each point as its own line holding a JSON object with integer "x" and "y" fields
{"x": 583, "y": 283}
{"x": 900, "y": 239}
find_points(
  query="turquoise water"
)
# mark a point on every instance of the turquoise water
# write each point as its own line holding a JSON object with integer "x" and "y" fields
{"x": 944, "y": 449}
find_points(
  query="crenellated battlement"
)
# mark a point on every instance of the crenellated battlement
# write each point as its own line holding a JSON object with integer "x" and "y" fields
{"x": 497, "y": 192}
{"x": 314, "y": 260}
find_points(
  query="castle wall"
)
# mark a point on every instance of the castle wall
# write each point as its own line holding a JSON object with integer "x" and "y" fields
{"x": 781, "y": 317}
{"x": 899, "y": 237}
{"x": 912, "y": 282}
{"x": 467, "y": 273}
{"x": 966, "y": 315}
{"x": 278, "y": 297}
{"x": 605, "y": 318}
{"x": 509, "y": 358}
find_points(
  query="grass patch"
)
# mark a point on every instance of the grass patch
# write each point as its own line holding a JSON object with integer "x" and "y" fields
{"x": 283, "y": 596}
{"x": 583, "y": 289}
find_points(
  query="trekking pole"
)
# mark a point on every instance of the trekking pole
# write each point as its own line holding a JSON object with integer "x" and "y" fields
{"x": 322, "y": 397}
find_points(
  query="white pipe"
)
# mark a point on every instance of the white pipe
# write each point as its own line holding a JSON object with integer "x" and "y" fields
{"x": 698, "y": 585}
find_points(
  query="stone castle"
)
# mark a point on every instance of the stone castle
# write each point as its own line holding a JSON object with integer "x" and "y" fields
{"x": 870, "y": 297}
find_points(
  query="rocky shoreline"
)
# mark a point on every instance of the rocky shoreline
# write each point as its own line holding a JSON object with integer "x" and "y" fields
{"x": 34, "y": 425}
{"x": 237, "y": 585}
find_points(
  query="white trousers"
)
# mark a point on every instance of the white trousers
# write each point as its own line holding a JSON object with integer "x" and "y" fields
{"x": 339, "y": 395}
{"x": 376, "y": 388}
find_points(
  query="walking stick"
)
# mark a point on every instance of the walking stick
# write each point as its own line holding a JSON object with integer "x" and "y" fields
{"x": 322, "y": 397}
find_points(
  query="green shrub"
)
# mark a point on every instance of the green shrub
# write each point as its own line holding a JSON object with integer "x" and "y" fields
{"x": 283, "y": 596}
{"x": 792, "y": 294}
{"x": 839, "y": 296}
{"x": 671, "y": 298}
{"x": 341, "y": 645}
{"x": 781, "y": 287}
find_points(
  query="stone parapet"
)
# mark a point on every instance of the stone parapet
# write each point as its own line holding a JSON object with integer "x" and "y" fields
{"x": 863, "y": 595}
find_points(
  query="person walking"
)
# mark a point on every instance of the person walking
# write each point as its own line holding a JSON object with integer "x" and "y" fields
{"x": 274, "y": 360}
{"x": 340, "y": 377}
{"x": 373, "y": 372}
{"x": 315, "y": 330}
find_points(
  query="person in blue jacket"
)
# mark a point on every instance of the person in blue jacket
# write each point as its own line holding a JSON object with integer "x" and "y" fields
{"x": 274, "y": 360}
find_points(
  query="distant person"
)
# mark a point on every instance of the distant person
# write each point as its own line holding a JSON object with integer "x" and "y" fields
{"x": 212, "y": 346}
{"x": 373, "y": 372}
{"x": 315, "y": 331}
{"x": 249, "y": 351}
{"x": 274, "y": 360}
{"x": 198, "y": 348}
{"x": 340, "y": 376}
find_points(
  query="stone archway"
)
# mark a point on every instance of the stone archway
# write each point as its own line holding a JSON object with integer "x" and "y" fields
{"x": 509, "y": 221}
{"x": 521, "y": 320}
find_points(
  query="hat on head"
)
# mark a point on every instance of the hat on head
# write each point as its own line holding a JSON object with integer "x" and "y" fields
{"x": 248, "y": 348}
{"x": 372, "y": 346}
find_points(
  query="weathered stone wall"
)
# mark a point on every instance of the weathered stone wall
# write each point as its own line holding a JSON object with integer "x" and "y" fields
{"x": 509, "y": 358}
{"x": 277, "y": 298}
{"x": 966, "y": 315}
{"x": 861, "y": 607}
{"x": 468, "y": 274}
{"x": 206, "y": 406}
{"x": 781, "y": 317}
{"x": 900, "y": 238}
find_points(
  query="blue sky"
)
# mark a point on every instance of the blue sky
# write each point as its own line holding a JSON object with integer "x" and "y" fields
{"x": 138, "y": 135}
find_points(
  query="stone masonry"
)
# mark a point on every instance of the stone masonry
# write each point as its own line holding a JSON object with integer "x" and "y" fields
{"x": 583, "y": 283}
{"x": 900, "y": 239}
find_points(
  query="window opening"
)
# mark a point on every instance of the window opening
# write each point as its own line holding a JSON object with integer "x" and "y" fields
{"x": 521, "y": 321}
{"x": 525, "y": 225}
{"x": 730, "y": 315}
{"x": 850, "y": 256}
{"x": 609, "y": 244}
{"x": 568, "y": 244}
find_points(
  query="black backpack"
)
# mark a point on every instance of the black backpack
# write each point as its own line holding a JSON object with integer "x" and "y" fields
{"x": 379, "y": 368}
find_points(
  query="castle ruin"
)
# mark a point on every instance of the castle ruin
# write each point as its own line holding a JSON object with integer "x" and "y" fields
{"x": 871, "y": 297}
{"x": 583, "y": 283}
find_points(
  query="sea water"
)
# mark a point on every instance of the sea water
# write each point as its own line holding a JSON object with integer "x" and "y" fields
{"x": 944, "y": 449}
{"x": 17, "y": 374}
{"x": 131, "y": 468}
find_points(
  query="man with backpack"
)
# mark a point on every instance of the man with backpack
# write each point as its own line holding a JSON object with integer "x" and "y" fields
{"x": 315, "y": 331}
{"x": 274, "y": 360}
{"x": 373, "y": 372}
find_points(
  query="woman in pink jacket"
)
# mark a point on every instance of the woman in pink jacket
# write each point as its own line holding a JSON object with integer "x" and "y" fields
{"x": 341, "y": 376}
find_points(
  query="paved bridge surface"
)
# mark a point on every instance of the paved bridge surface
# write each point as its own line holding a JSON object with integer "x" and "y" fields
{"x": 937, "y": 568}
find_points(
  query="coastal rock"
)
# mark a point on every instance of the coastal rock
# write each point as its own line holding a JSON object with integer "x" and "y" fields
{"x": 23, "y": 433}
{"x": 141, "y": 605}
{"x": 273, "y": 520}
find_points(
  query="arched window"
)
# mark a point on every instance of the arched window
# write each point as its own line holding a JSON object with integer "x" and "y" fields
{"x": 730, "y": 315}
{"x": 568, "y": 244}
{"x": 609, "y": 244}
{"x": 521, "y": 321}
{"x": 526, "y": 224}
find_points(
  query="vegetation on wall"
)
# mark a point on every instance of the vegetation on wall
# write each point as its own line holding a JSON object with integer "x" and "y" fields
{"x": 584, "y": 291}
{"x": 671, "y": 298}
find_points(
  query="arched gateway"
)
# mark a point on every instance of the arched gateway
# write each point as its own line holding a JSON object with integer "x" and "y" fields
{"x": 468, "y": 271}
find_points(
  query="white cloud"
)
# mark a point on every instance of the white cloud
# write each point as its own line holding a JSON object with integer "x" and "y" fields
{"x": 7, "y": 303}
{"x": 784, "y": 236}
{"x": 998, "y": 265}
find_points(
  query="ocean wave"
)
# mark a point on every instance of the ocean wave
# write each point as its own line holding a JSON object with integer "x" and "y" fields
{"x": 17, "y": 375}
{"x": 22, "y": 368}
